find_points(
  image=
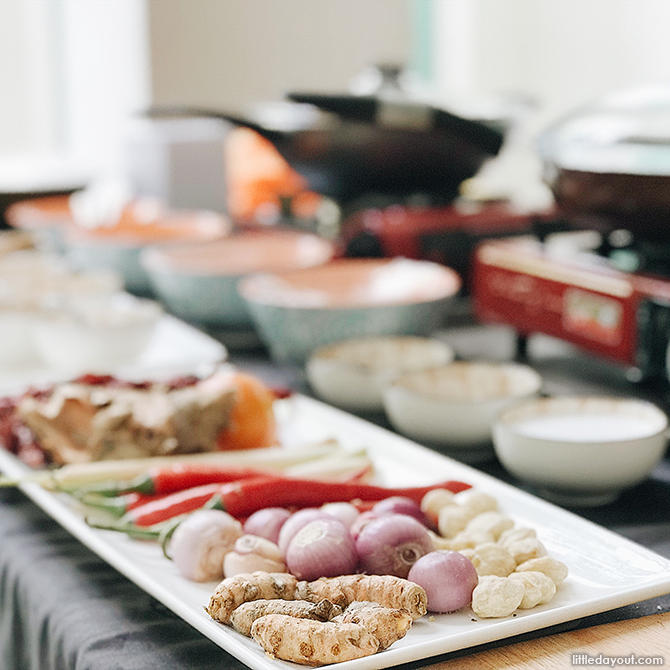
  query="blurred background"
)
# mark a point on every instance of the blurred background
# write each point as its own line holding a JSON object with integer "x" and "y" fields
{"x": 74, "y": 72}
{"x": 423, "y": 140}
{"x": 184, "y": 179}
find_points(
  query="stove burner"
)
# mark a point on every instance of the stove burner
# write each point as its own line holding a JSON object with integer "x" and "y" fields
{"x": 640, "y": 255}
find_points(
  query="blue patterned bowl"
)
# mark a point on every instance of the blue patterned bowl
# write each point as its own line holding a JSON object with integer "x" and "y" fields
{"x": 198, "y": 282}
{"x": 296, "y": 312}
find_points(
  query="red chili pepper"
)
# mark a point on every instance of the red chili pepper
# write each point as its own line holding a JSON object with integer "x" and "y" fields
{"x": 166, "y": 507}
{"x": 119, "y": 505}
{"x": 173, "y": 478}
{"x": 243, "y": 497}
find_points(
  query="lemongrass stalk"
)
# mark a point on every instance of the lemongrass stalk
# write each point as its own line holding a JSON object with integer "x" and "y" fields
{"x": 333, "y": 467}
{"x": 73, "y": 476}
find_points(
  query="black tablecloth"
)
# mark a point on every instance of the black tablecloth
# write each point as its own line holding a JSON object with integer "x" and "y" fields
{"x": 63, "y": 608}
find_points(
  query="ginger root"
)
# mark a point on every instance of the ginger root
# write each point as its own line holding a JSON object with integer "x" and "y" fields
{"x": 244, "y": 616}
{"x": 242, "y": 588}
{"x": 386, "y": 590}
{"x": 303, "y": 621}
{"x": 312, "y": 642}
{"x": 386, "y": 624}
{"x": 363, "y": 629}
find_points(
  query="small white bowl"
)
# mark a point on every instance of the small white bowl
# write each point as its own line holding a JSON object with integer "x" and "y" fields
{"x": 28, "y": 279}
{"x": 96, "y": 334}
{"x": 454, "y": 407}
{"x": 581, "y": 451}
{"x": 352, "y": 374}
{"x": 17, "y": 349}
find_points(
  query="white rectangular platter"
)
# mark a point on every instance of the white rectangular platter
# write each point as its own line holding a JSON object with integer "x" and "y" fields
{"x": 606, "y": 570}
{"x": 175, "y": 348}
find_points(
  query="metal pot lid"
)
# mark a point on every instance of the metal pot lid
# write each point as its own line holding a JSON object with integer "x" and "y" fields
{"x": 625, "y": 133}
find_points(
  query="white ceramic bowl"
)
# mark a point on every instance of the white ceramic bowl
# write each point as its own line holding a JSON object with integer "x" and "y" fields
{"x": 198, "y": 282}
{"x": 17, "y": 349}
{"x": 28, "y": 279}
{"x": 46, "y": 217}
{"x": 454, "y": 407}
{"x": 118, "y": 247}
{"x": 581, "y": 451}
{"x": 12, "y": 241}
{"x": 297, "y": 312}
{"x": 96, "y": 334}
{"x": 353, "y": 374}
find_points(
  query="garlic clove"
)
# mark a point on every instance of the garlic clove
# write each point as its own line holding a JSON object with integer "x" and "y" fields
{"x": 252, "y": 553}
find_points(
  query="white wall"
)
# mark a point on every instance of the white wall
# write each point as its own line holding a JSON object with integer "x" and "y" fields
{"x": 565, "y": 53}
{"x": 27, "y": 106}
{"x": 72, "y": 72}
{"x": 106, "y": 61}
{"x": 231, "y": 54}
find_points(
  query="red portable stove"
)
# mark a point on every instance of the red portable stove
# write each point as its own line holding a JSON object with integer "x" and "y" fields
{"x": 608, "y": 166}
{"x": 580, "y": 298}
{"x": 447, "y": 234}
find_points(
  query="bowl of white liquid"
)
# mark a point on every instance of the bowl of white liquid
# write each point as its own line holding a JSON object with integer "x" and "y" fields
{"x": 581, "y": 451}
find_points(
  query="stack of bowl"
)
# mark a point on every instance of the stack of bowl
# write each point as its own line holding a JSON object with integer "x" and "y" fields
{"x": 426, "y": 395}
{"x": 45, "y": 218}
{"x": 198, "y": 282}
{"x": 142, "y": 223}
{"x": 51, "y": 316}
{"x": 95, "y": 333}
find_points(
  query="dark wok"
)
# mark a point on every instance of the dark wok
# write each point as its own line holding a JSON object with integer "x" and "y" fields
{"x": 608, "y": 200}
{"x": 349, "y": 159}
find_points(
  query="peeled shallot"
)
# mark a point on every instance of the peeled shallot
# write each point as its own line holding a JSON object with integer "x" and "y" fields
{"x": 200, "y": 542}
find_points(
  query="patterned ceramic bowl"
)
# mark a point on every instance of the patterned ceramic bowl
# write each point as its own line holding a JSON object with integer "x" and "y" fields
{"x": 198, "y": 282}
{"x": 296, "y": 312}
{"x": 141, "y": 224}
